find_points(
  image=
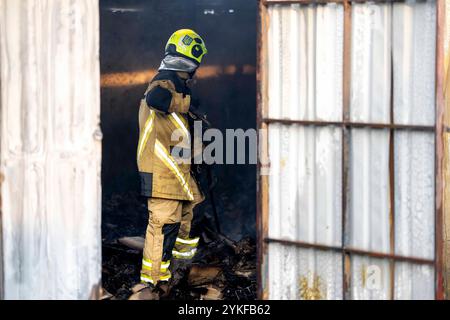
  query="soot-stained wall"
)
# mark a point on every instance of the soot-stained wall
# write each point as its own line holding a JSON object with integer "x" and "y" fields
{"x": 133, "y": 35}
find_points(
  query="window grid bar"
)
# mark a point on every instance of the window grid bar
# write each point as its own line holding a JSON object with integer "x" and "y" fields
{"x": 439, "y": 147}
{"x": 346, "y": 85}
{"x": 262, "y": 211}
{"x": 350, "y": 124}
{"x": 392, "y": 205}
{"x": 438, "y": 129}
{"x": 392, "y": 171}
{"x": 306, "y": 2}
{"x": 288, "y": 2}
{"x": 350, "y": 250}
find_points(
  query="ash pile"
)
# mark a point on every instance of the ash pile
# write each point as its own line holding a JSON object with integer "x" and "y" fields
{"x": 221, "y": 270}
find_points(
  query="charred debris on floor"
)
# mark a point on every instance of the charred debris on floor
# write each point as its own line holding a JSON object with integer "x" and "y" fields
{"x": 222, "y": 269}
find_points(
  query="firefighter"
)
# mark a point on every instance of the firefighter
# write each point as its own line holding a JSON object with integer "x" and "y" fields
{"x": 163, "y": 158}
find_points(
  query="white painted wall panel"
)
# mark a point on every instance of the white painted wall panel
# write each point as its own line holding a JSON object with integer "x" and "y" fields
{"x": 304, "y": 274}
{"x": 414, "y": 51}
{"x": 414, "y": 282}
{"x": 305, "y": 62}
{"x": 371, "y": 63}
{"x": 50, "y": 148}
{"x": 368, "y": 214}
{"x": 305, "y": 44}
{"x": 415, "y": 196}
{"x": 411, "y": 28}
{"x": 305, "y": 183}
{"x": 370, "y": 279}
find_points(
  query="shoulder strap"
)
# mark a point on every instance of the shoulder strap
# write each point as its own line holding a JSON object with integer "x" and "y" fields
{"x": 180, "y": 85}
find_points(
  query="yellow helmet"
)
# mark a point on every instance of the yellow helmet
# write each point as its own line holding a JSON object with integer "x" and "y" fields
{"x": 187, "y": 43}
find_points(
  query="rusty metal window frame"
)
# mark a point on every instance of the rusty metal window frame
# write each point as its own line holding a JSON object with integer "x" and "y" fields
{"x": 347, "y": 125}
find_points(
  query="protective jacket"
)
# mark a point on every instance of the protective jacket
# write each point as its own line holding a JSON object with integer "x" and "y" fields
{"x": 163, "y": 153}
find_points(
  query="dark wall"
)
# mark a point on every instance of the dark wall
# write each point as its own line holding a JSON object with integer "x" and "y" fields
{"x": 133, "y": 35}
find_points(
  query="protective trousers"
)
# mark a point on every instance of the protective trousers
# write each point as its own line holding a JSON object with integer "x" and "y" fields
{"x": 168, "y": 234}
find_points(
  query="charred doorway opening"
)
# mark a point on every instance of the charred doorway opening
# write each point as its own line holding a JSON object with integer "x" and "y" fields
{"x": 132, "y": 38}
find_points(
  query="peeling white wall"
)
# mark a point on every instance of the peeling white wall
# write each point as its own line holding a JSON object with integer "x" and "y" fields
{"x": 305, "y": 53}
{"x": 370, "y": 63}
{"x": 369, "y": 198}
{"x": 305, "y": 199}
{"x": 414, "y": 52}
{"x": 305, "y": 62}
{"x": 297, "y": 273}
{"x": 50, "y": 148}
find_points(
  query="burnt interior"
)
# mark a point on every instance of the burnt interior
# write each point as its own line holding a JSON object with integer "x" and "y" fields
{"x": 133, "y": 34}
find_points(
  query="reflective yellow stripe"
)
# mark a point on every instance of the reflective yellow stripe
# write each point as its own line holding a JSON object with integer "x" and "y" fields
{"x": 167, "y": 159}
{"x": 179, "y": 123}
{"x": 147, "y": 264}
{"x": 188, "y": 241}
{"x": 147, "y": 278}
{"x": 188, "y": 254}
{"x": 166, "y": 277}
{"x": 190, "y": 245}
{"x": 147, "y": 130}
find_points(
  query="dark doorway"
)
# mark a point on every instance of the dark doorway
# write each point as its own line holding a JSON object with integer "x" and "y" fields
{"x": 133, "y": 34}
